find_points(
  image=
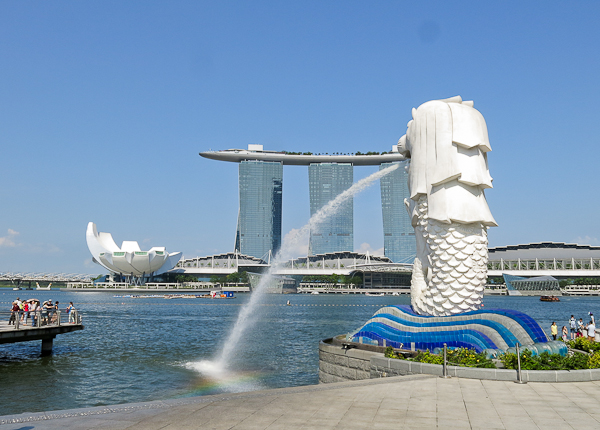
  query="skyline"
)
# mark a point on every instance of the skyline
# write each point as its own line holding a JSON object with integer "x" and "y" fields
{"x": 105, "y": 108}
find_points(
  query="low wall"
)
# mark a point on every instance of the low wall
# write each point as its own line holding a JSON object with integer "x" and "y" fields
{"x": 337, "y": 364}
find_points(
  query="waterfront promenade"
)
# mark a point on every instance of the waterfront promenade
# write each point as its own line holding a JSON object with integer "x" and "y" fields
{"x": 414, "y": 402}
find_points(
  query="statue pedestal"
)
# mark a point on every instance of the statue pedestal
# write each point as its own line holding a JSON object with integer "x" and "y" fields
{"x": 492, "y": 331}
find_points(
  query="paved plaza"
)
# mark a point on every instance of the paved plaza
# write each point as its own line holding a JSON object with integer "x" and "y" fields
{"x": 414, "y": 402}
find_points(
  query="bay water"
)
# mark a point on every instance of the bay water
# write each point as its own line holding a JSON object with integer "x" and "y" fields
{"x": 135, "y": 350}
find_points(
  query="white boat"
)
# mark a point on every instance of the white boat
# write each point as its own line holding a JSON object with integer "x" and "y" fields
{"x": 16, "y": 288}
{"x": 374, "y": 294}
{"x": 315, "y": 292}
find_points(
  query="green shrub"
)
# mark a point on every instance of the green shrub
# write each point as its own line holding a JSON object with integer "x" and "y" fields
{"x": 583, "y": 344}
{"x": 593, "y": 360}
{"x": 468, "y": 358}
{"x": 428, "y": 357}
{"x": 547, "y": 361}
{"x": 576, "y": 361}
{"x": 456, "y": 357}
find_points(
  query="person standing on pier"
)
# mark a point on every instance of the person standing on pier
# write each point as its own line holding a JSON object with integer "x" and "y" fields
{"x": 554, "y": 330}
{"x": 573, "y": 326}
{"x": 14, "y": 311}
{"x": 34, "y": 307}
{"x": 25, "y": 315}
{"x": 72, "y": 312}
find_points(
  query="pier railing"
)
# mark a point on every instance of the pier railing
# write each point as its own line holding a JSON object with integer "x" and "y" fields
{"x": 39, "y": 318}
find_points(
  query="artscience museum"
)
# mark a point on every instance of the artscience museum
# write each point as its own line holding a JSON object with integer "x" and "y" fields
{"x": 128, "y": 260}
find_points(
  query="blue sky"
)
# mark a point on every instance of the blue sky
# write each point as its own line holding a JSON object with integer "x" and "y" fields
{"x": 104, "y": 107}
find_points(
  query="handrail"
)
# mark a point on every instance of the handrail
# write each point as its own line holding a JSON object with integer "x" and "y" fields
{"x": 38, "y": 318}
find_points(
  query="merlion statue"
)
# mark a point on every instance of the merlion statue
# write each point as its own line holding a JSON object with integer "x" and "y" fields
{"x": 447, "y": 143}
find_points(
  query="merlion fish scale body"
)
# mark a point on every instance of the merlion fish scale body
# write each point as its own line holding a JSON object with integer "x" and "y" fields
{"x": 447, "y": 143}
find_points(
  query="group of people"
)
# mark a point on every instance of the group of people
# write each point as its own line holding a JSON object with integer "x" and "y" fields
{"x": 47, "y": 312}
{"x": 577, "y": 328}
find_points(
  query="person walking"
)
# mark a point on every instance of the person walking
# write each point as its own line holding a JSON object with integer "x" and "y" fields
{"x": 573, "y": 326}
{"x": 554, "y": 330}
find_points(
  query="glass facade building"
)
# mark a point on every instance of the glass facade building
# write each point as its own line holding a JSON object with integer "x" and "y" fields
{"x": 399, "y": 241}
{"x": 326, "y": 182}
{"x": 259, "y": 217}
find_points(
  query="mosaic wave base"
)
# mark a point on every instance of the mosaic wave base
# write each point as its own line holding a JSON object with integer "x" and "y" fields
{"x": 491, "y": 331}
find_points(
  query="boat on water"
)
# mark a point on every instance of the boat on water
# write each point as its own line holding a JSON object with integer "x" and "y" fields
{"x": 549, "y": 299}
{"x": 374, "y": 294}
{"x": 315, "y": 292}
{"x": 16, "y": 288}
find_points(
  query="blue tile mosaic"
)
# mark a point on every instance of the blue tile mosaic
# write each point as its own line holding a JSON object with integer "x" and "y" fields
{"x": 480, "y": 330}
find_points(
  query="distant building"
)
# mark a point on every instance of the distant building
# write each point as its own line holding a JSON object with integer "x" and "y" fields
{"x": 259, "y": 217}
{"x": 336, "y": 233}
{"x": 399, "y": 242}
{"x": 260, "y": 181}
{"x": 557, "y": 259}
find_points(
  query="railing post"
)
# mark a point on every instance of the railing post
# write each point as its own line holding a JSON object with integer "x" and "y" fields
{"x": 57, "y": 317}
{"x": 519, "y": 374}
{"x": 18, "y": 320}
{"x": 445, "y": 364}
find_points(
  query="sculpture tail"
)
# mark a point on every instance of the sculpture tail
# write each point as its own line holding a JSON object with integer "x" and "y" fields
{"x": 457, "y": 269}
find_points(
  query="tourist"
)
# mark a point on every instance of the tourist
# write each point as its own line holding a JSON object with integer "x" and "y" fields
{"x": 14, "y": 311}
{"x": 573, "y": 326}
{"x": 45, "y": 307}
{"x": 72, "y": 312}
{"x": 591, "y": 329}
{"x": 55, "y": 312}
{"x": 580, "y": 327}
{"x": 565, "y": 334}
{"x": 33, "y": 309}
{"x": 25, "y": 314}
{"x": 50, "y": 308}
{"x": 592, "y": 318}
{"x": 554, "y": 330}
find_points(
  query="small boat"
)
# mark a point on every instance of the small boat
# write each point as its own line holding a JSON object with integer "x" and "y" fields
{"x": 374, "y": 294}
{"x": 315, "y": 292}
{"x": 16, "y": 288}
{"x": 549, "y": 299}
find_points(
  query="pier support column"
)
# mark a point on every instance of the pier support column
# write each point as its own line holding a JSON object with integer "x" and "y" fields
{"x": 47, "y": 346}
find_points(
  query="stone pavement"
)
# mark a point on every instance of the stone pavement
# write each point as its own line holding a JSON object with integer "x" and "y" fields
{"x": 409, "y": 402}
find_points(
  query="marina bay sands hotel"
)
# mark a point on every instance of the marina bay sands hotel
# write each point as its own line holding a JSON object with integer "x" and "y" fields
{"x": 261, "y": 188}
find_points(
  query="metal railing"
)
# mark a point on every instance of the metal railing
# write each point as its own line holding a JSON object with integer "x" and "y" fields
{"x": 38, "y": 318}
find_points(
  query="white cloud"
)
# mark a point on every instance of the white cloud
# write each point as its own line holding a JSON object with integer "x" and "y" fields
{"x": 364, "y": 247}
{"x": 587, "y": 240}
{"x": 8, "y": 240}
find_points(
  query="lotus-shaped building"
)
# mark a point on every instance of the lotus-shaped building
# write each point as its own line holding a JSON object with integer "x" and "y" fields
{"x": 129, "y": 259}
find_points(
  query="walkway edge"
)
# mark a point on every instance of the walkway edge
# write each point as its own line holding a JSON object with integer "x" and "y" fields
{"x": 27, "y": 417}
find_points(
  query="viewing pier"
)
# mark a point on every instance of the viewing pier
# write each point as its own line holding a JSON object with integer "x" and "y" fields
{"x": 37, "y": 330}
